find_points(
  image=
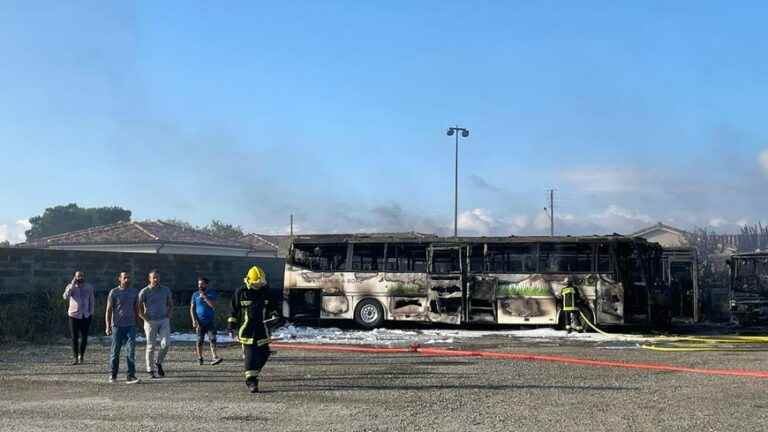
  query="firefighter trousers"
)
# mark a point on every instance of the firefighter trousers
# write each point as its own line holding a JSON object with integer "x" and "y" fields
{"x": 255, "y": 359}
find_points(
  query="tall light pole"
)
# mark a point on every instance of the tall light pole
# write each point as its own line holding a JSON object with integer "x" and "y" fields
{"x": 464, "y": 133}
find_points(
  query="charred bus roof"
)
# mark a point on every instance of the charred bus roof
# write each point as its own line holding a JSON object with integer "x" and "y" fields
{"x": 748, "y": 255}
{"x": 430, "y": 238}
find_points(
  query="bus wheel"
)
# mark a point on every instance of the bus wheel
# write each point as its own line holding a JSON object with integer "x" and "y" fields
{"x": 369, "y": 313}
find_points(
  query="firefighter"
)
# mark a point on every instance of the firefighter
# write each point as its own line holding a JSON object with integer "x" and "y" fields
{"x": 251, "y": 306}
{"x": 571, "y": 299}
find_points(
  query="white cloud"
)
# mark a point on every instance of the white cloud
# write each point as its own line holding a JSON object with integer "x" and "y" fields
{"x": 14, "y": 233}
{"x": 520, "y": 221}
{"x": 598, "y": 180}
{"x": 614, "y": 218}
{"x": 717, "y": 222}
{"x": 481, "y": 221}
{"x": 541, "y": 221}
{"x": 614, "y": 212}
{"x": 723, "y": 225}
{"x": 24, "y": 224}
{"x": 762, "y": 159}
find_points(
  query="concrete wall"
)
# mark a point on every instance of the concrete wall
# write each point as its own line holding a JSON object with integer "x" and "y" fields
{"x": 22, "y": 270}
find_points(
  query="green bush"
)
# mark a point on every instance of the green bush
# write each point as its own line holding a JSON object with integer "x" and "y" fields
{"x": 15, "y": 319}
{"x": 41, "y": 316}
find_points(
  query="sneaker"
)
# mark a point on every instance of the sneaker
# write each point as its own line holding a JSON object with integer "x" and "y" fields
{"x": 131, "y": 380}
{"x": 200, "y": 361}
{"x": 160, "y": 370}
{"x": 216, "y": 361}
{"x": 152, "y": 374}
{"x": 253, "y": 386}
{"x": 112, "y": 379}
{"x": 80, "y": 359}
{"x": 74, "y": 362}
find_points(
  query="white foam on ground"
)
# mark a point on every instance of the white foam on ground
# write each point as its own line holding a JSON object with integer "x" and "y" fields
{"x": 333, "y": 335}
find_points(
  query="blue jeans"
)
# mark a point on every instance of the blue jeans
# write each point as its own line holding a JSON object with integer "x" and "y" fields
{"x": 120, "y": 336}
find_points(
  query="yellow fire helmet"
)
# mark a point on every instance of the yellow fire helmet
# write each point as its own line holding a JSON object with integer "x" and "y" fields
{"x": 255, "y": 277}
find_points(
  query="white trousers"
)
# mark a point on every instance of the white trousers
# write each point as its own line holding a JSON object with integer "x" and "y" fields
{"x": 154, "y": 330}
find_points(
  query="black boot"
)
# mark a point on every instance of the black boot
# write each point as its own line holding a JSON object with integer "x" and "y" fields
{"x": 253, "y": 385}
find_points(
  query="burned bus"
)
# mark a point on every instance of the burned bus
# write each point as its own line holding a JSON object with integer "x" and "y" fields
{"x": 497, "y": 280}
{"x": 749, "y": 288}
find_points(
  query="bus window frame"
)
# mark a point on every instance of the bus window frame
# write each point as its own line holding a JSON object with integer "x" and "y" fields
{"x": 351, "y": 254}
{"x": 388, "y": 248}
{"x": 526, "y": 260}
{"x": 347, "y": 263}
{"x": 557, "y": 252}
{"x": 471, "y": 268}
{"x": 431, "y": 258}
{"x": 611, "y": 253}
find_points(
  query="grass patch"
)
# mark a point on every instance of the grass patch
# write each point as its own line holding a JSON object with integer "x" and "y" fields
{"x": 518, "y": 290}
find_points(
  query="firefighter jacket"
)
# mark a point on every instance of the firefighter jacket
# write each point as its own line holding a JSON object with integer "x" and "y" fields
{"x": 250, "y": 309}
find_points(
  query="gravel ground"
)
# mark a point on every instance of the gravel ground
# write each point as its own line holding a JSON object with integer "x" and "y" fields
{"x": 321, "y": 391}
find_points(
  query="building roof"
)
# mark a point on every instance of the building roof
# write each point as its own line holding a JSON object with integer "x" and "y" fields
{"x": 262, "y": 241}
{"x": 144, "y": 232}
{"x": 658, "y": 227}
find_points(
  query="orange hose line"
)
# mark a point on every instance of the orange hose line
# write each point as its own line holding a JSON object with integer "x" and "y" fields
{"x": 441, "y": 352}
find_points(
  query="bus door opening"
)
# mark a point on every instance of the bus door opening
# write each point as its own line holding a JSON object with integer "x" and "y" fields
{"x": 447, "y": 284}
{"x": 682, "y": 291}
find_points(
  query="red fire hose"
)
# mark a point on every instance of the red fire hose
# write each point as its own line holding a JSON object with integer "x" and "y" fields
{"x": 442, "y": 352}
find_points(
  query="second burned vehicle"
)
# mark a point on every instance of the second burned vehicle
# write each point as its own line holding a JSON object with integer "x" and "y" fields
{"x": 502, "y": 280}
{"x": 749, "y": 288}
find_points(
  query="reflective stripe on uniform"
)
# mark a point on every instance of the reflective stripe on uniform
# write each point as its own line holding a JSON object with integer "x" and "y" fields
{"x": 569, "y": 299}
{"x": 251, "y": 374}
{"x": 249, "y": 341}
{"x": 244, "y": 325}
{"x": 232, "y": 320}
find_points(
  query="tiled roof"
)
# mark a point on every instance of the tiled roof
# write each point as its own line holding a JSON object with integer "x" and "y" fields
{"x": 135, "y": 233}
{"x": 658, "y": 226}
{"x": 262, "y": 241}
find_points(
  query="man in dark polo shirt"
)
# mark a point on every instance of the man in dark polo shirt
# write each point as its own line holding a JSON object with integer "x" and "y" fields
{"x": 122, "y": 310}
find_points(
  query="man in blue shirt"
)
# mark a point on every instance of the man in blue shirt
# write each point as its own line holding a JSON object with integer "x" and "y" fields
{"x": 202, "y": 309}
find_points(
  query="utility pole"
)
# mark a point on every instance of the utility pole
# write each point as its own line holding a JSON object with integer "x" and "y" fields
{"x": 552, "y": 212}
{"x": 291, "y": 226}
{"x": 464, "y": 133}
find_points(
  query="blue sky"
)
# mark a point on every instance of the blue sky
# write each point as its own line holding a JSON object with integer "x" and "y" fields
{"x": 636, "y": 112}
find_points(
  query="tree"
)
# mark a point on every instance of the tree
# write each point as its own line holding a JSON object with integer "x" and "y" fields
{"x": 179, "y": 223}
{"x": 216, "y": 228}
{"x": 753, "y": 237}
{"x": 71, "y": 217}
{"x": 220, "y": 229}
{"x": 5, "y": 243}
